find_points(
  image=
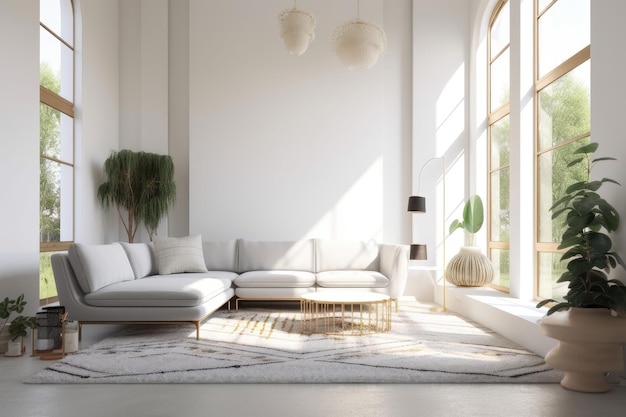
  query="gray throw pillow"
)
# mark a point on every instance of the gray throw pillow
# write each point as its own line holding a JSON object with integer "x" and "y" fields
{"x": 179, "y": 254}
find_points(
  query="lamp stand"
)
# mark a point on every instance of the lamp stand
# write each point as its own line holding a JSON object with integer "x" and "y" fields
{"x": 417, "y": 204}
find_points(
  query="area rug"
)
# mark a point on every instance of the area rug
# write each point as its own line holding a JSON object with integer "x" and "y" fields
{"x": 257, "y": 345}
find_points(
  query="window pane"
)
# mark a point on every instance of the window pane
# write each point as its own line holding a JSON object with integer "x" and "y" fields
{"x": 565, "y": 108}
{"x": 500, "y": 260}
{"x": 563, "y": 31}
{"x": 500, "y": 212}
{"x": 554, "y": 177}
{"x": 49, "y": 200}
{"x": 56, "y": 188}
{"x": 58, "y": 16}
{"x": 47, "y": 287}
{"x": 500, "y": 31}
{"x": 500, "y": 143}
{"x": 56, "y": 65}
{"x": 67, "y": 203}
{"x": 500, "y": 80}
{"x": 56, "y": 134}
{"x": 550, "y": 269}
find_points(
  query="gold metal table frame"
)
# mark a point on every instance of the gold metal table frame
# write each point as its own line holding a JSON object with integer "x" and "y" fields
{"x": 345, "y": 313}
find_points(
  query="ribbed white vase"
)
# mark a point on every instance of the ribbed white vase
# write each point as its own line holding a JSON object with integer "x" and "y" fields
{"x": 469, "y": 268}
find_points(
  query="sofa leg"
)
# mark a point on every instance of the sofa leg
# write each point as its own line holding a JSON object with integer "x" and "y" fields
{"x": 198, "y": 330}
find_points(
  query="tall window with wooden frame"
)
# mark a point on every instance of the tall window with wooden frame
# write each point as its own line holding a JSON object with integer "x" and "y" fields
{"x": 56, "y": 137}
{"x": 562, "y": 122}
{"x": 498, "y": 207}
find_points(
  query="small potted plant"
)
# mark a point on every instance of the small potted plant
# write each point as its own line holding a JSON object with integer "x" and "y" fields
{"x": 18, "y": 326}
{"x": 588, "y": 321}
{"x": 470, "y": 268}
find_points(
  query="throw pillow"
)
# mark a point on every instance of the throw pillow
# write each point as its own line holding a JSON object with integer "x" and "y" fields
{"x": 179, "y": 254}
{"x": 141, "y": 257}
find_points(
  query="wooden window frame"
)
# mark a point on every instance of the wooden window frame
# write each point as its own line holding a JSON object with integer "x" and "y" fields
{"x": 494, "y": 116}
{"x": 541, "y": 83}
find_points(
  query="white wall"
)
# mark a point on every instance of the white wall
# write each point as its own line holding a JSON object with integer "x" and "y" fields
{"x": 19, "y": 141}
{"x": 97, "y": 115}
{"x": 608, "y": 89}
{"x": 144, "y": 82}
{"x": 286, "y": 147}
{"x": 178, "y": 218}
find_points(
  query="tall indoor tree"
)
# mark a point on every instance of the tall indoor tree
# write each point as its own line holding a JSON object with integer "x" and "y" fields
{"x": 140, "y": 184}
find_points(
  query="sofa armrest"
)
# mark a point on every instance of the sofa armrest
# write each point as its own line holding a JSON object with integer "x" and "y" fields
{"x": 71, "y": 296}
{"x": 394, "y": 264}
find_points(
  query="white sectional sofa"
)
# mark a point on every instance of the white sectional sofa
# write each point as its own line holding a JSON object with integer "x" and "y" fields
{"x": 185, "y": 279}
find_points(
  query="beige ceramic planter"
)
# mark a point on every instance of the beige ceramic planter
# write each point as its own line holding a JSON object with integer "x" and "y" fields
{"x": 469, "y": 268}
{"x": 590, "y": 346}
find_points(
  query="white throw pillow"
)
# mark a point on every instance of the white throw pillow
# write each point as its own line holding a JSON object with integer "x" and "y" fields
{"x": 97, "y": 266}
{"x": 179, "y": 254}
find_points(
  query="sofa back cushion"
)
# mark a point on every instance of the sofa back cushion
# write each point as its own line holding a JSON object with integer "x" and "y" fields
{"x": 179, "y": 254}
{"x": 220, "y": 256}
{"x": 285, "y": 255}
{"x": 337, "y": 255}
{"x": 141, "y": 258}
{"x": 97, "y": 266}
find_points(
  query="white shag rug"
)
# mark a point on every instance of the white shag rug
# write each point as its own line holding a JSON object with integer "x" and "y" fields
{"x": 265, "y": 346}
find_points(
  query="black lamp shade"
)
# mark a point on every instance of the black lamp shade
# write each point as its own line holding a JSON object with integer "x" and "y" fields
{"x": 418, "y": 252}
{"x": 417, "y": 204}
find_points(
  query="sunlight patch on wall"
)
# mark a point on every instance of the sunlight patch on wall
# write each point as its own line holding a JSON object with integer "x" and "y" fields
{"x": 450, "y": 114}
{"x": 358, "y": 214}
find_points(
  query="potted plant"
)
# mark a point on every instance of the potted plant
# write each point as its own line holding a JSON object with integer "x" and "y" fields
{"x": 18, "y": 326}
{"x": 586, "y": 321}
{"x": 140, "y": 184}
{"x": 470, "y": 268}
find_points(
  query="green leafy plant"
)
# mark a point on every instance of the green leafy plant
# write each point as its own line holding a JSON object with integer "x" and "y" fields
{"x": 19, "y": 324}
{"x": 473, "y": 218}
{"x": 588, "y": 221}
{"x": 142, "y": 185}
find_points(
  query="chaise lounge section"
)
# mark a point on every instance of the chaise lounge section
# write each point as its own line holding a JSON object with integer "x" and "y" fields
{"x": 184, "y": 280}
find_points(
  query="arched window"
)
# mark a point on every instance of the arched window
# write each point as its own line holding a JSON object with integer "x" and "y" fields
{"x": 498, "y": 161}
{"x": 56, "y": 138}
{"x": 562, "y": 122}
{"x": 533, "y": 140}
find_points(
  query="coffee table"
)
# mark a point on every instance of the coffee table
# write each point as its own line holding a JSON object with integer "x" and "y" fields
{"x": 345, "y": 312}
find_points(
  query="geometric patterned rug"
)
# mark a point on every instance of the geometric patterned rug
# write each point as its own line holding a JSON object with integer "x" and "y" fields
{"x": 257, "y": 345}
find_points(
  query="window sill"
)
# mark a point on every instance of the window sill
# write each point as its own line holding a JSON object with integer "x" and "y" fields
{"x": 511, "y": 317}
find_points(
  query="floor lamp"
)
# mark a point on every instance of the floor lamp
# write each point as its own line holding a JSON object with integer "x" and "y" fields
{"x": 417, "y": 204}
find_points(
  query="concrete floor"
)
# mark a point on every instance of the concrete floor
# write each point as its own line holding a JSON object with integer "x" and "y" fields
{"x": 429, "y": 400}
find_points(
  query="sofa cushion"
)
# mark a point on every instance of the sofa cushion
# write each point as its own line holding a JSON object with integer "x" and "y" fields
{"x": 97, "y": 266}
{"x": 183, "y": 290}
{"x": 271, "y": 293}
{"x": 179, "y": 254}
{"x": 267, "y": 255}
{"x": 335, "y": 255}
{"x": 141, "y": 258}
{"x": 275, "y": 279}
{"x": 352, "y": 279}
{"x": 220, "y": 256}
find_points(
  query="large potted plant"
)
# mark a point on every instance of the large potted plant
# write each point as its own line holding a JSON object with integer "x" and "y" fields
{"x": 470, "y": 268}
{"x": 588, "y": 321}
{"x": 141, "y": 185}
